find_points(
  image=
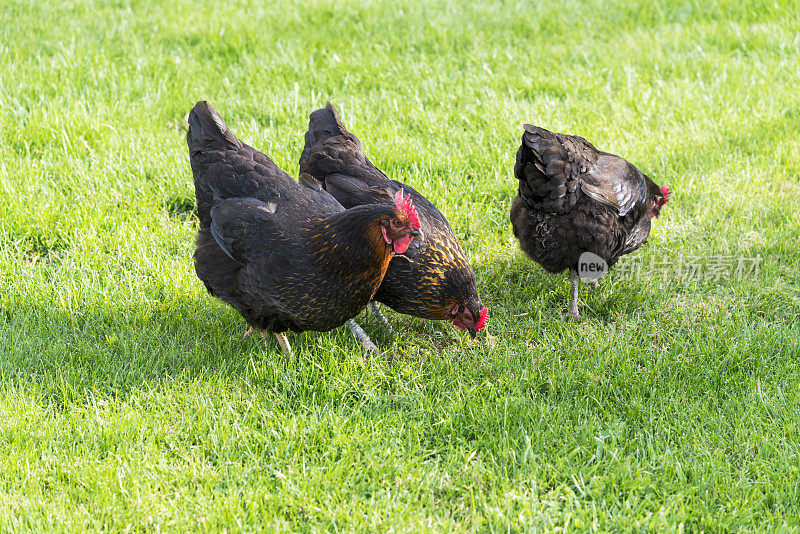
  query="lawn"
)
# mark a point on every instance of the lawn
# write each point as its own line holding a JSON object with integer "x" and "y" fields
{"x": 130, "y": 402}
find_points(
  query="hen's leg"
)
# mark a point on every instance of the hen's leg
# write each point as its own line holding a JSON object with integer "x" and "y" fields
{"x": 284, "y": 343}
{"x": 575, "y": 282}
{"x": 376, "y": 309}
{"x": 362, "y": 336}
{"x": 250, "y": 331}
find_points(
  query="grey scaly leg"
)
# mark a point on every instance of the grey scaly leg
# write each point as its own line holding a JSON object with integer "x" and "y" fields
{"x": 376, "y": 309}
{"x": 284, "y": 343}
{"x": 362, "y": 336}
{"x": 575, "y": 282}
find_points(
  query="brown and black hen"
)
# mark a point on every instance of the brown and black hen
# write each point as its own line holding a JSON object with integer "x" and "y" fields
{"x": 433, "y": 279}
{"x": 286, "y": 255}
{"x": 573, "y": 198}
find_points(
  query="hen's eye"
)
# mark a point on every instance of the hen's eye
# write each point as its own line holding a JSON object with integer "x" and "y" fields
{"x": 396, "y": 223}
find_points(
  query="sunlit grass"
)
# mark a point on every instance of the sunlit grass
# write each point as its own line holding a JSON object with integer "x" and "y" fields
{"x": 129, "y": 401}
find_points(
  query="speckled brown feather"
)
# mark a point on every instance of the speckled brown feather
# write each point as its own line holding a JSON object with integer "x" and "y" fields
{"x": 285, "y": 254}
{"x": 573, "y": 198}
{"x": 434, "y": 275}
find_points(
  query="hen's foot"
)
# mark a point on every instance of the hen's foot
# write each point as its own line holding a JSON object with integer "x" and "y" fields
{"x": 366, "y": 343}
{"x": 285, "y": 347}
{"x": 575, "y": 282}
{"x": 376, "y": 310}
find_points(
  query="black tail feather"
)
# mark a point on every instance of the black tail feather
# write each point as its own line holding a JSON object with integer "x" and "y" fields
{"x": 207, "y": 130}
{"x": 324, "y": 123}
{"x": 208, "y": 134}
{"x": 548, "y": 172}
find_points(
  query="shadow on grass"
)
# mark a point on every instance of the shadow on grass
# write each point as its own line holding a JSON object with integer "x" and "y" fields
{"x": 516, "y": 286}
{"x": 519, "y": 285}
{"x": 116, "y": 350}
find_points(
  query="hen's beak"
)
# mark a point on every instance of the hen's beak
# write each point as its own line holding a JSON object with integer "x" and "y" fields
{"x": 472, "y": 333}
{"x": 417, "y": 233}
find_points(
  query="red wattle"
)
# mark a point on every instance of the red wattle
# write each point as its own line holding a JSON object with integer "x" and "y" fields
{"x": 483, "y": 319}
{"x": 401, "y": 245}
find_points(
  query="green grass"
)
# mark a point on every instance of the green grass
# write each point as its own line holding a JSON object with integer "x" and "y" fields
{"x": 130, "y": 402}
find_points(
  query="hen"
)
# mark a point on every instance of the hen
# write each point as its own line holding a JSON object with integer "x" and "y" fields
{"x": 433, "y": 279}
{"x": 573, "y": 198}
{"x": 284, "y": 254}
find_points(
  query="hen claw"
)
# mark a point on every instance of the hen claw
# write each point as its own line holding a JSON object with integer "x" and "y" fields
{"x": 574, "y": 282}
{"x": 366, "y": 343}
{"x": 285, "y": 347}
{"x": 376, "y": 310}
{"x": 369, "y": 348}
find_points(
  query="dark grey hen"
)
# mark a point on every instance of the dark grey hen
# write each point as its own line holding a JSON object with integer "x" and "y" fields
{"x": 573, "y": 198}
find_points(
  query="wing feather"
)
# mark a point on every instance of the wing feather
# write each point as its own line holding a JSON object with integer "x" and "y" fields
{"x": 554, "y": 169}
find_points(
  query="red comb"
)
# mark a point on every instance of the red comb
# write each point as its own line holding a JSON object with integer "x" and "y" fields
{"x": 483, "y": 319}
{"x": 665, "y": 193}
{"x": 404, "y": 204}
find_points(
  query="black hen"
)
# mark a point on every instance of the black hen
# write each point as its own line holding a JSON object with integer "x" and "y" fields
{"x": 433, "y": 279}
{"x": 285, "y": 254}
{"x": 573, "y": 198}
